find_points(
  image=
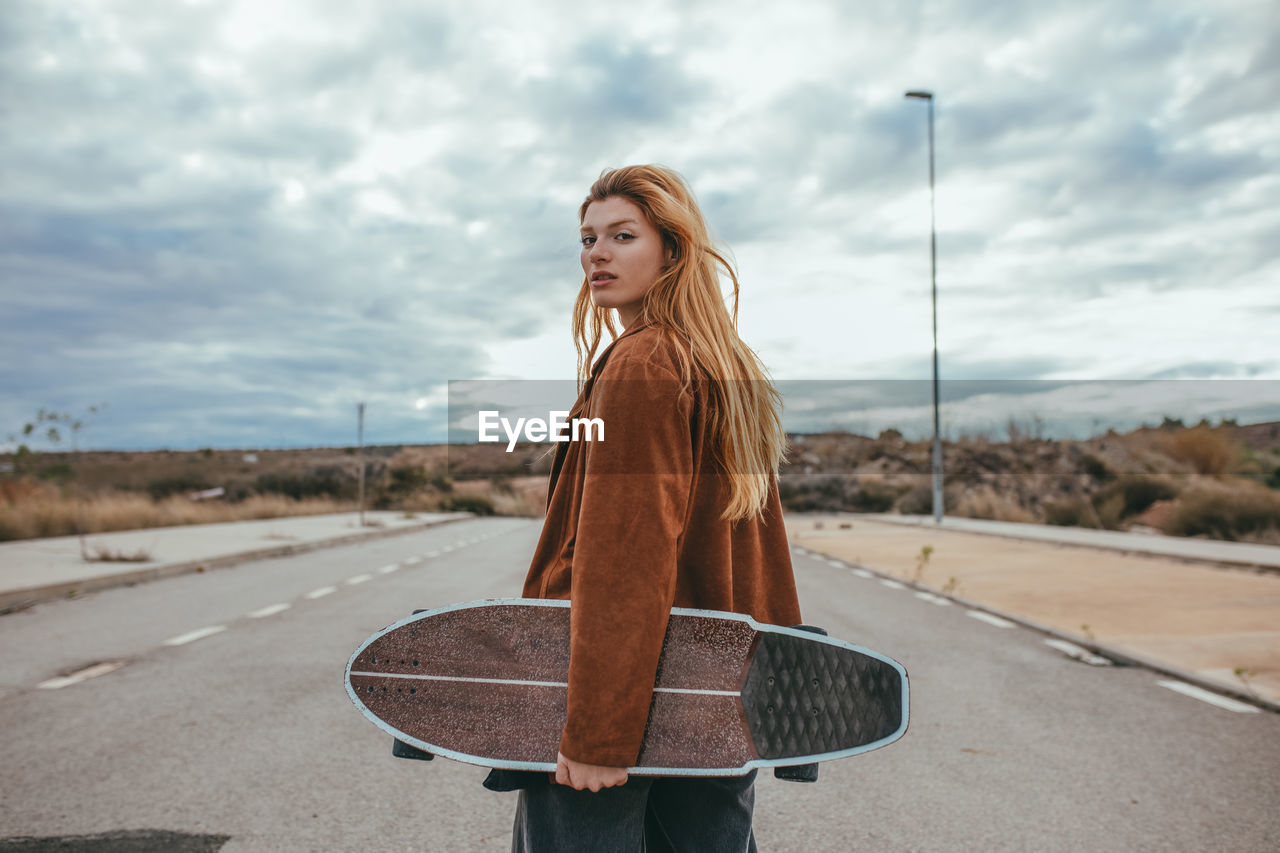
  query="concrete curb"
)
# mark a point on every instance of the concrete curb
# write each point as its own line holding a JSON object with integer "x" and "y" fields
{"x": 20, "y": 599}
{"x": 1115, "y": 653}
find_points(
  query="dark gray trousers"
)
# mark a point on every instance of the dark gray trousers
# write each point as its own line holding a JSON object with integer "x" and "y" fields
{"x": 646, "y": 815}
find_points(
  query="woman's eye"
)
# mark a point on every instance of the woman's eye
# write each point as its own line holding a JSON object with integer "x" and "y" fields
{"x": 586, "y": 241}
{"x": 623, "y": 234}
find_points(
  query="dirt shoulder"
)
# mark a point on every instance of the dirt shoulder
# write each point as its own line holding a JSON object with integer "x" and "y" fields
{"x": 1206, "y": 619}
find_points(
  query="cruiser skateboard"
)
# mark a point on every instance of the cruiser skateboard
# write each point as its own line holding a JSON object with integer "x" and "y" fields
{"x": 485, "y": 682}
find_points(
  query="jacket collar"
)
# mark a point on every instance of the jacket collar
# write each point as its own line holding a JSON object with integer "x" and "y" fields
{"x": 604, "y": 355}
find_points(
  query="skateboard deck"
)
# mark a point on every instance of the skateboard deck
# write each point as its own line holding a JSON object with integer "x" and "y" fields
{"x": 486, "y": 682}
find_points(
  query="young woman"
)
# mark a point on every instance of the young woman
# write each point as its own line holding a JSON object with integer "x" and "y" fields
{"x": 677, "y": 507}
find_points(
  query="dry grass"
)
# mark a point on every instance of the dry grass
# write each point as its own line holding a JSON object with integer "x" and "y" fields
{"x": 983, "y": 501}
{"x": 48, "y": 513}
{"x": 1236, "y": 510}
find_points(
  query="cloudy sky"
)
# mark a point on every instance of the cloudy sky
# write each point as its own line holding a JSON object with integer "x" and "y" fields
{"x": 231, "y": 224}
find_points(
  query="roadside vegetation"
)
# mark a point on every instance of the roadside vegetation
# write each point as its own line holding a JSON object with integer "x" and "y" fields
{"x": 1218, "y": 482}
{"x": 1214, "y": 482}
{"x": 54, "y": 494}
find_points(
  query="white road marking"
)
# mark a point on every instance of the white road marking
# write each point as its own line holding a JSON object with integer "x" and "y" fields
{"x": 192, "y": 636}
{"x": 863, "y": 573}
{"x": 1071, "y": 650}
{"x": 410, "y": 561}
{"x": 1205, "y": 696}
{"x": 990, "y": 620}
{"x": 388, "y": 569}
{"x": 891, "y": 584}
{"x": 269, "y": 610}
{"x": 321, "y": 592}
{"x": 431, "y": 554}
{"x": 83, "y": 675}
{"x": 521, "y": 683}
{"x": 359, "y": 579}
{"x": 836, "y": 563}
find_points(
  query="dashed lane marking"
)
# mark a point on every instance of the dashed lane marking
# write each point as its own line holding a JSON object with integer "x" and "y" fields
{"x": 989, "y": 619}
{"x": 410, "y": 561}
{"x": 891, "y": 584}
{"x": 863, "y": 573}
{"x": 389, "y": 568}
{"x": 932, "y": 599}
{"x": 269, "y": 610}
{"x": 359, "y": 579}
{"x": 321, "y": 592}
{"x": 192, "y": 636}
{"x": 836, "y": 563}
{"x": 83, "y": 675}
{"x": 1083, "y": 655}
{"x": 430, "y": 554}
{"x": 1205, "y": 696}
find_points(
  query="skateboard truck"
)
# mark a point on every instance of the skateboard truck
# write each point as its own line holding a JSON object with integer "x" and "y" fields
{"x": 400, "y": 749}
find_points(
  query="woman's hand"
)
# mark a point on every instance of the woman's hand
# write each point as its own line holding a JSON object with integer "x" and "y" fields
{"x": 582, "y": 776}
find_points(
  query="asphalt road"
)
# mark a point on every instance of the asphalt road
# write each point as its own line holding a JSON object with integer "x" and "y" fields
{"x": 218, "y": 721}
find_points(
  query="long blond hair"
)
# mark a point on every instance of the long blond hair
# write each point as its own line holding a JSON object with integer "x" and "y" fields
{"x": 686, "y": 304}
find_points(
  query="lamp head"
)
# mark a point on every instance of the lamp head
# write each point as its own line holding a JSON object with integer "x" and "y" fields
{"x": 922, "y": 95}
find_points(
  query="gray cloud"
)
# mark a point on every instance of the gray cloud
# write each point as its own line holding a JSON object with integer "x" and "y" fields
{"x": 234, "y": 234}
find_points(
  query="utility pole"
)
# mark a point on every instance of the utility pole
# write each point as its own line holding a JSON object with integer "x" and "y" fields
{"x": 933, "y": 273}
{"x": 360, "y": 456}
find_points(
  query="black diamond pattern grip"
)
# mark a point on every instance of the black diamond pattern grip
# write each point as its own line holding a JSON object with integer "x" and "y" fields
{"x": 807, "y": 698}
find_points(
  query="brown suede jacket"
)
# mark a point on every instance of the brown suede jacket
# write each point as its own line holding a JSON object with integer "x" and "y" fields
{"x": 632, "y": 529}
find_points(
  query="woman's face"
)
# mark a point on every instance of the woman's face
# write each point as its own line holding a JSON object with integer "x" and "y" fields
{"x": 622, "y": 255}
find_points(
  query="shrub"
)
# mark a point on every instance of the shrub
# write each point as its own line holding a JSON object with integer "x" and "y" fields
{"x": 181, "y": 484}
{"x": 917, "y": 500}
{"x": 871, "y": 496}
{"x": 1096, "y": 467}
{"x": 479, "y": 504}
{"x": 56, "y": 471}
{"x": 1069, "y": 512}
{"x": 328, "y": 481}
{"x": 1219, "y": 511}
{"x": 1207, "y": 450}
{"x": 1135, "y": 493}
{"x": 1110, "y": 509}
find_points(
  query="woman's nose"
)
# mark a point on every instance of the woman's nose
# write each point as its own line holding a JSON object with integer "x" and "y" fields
{"x": 597, "y": 251}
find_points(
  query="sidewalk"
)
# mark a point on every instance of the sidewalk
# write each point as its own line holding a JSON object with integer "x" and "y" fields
{"x": 34, "y": 570}
{"x": 1136, "y": 595}
{"x": 1203, "y": 550}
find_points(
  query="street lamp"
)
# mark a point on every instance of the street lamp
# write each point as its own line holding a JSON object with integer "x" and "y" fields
{"x": 933, "y": 274}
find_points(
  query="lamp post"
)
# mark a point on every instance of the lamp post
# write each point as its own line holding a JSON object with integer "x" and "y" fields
{"x": 360, "y": 458}
{"x": 933, "y": 275}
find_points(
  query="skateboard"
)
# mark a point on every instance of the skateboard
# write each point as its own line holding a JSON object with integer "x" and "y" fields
{"x": 486, "y": 682}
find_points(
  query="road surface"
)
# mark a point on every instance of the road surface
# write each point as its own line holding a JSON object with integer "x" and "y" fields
{"x": 207, "y": 712}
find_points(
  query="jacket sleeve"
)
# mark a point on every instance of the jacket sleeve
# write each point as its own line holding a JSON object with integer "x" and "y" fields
{"x": 635, "y": 495}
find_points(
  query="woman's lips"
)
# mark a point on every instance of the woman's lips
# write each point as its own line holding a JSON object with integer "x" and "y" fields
{"x": 601, "y": 282}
